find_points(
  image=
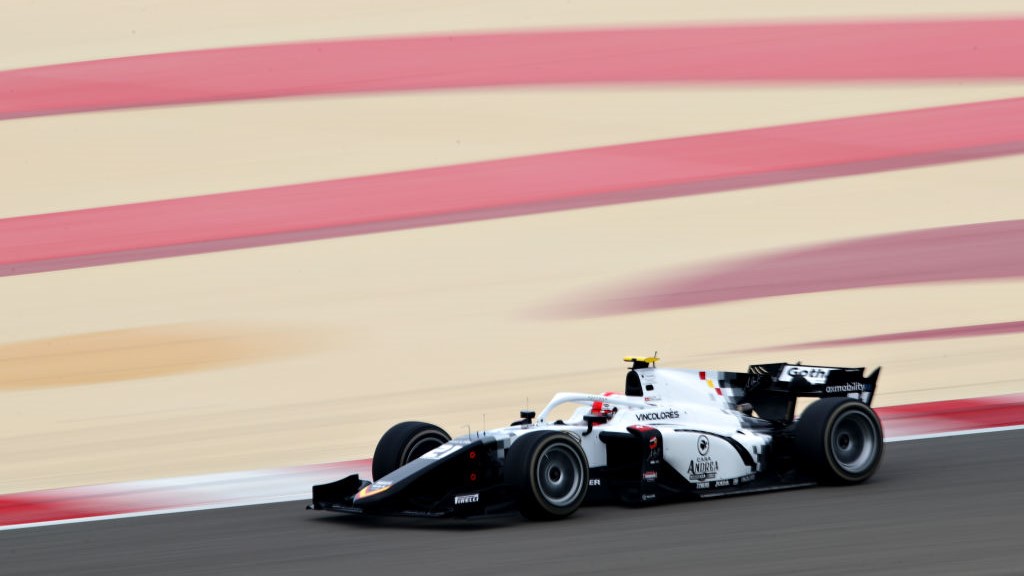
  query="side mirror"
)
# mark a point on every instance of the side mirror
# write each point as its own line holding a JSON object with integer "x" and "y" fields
{"x": 527, "y": 417}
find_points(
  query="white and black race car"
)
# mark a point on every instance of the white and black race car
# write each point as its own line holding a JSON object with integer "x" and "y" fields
{"x": 672, "y": 434}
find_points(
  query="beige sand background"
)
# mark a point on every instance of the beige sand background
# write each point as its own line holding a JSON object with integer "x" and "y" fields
{"x": 305, "y": 353}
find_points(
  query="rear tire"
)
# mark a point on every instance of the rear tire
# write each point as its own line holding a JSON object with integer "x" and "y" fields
{"x": 403, "y": 443}
{"x": 549, "y": 474}
{"x": 839, "y": 440}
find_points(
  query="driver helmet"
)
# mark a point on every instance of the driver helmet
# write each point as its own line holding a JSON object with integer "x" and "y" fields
{"x": 603, "y": 408}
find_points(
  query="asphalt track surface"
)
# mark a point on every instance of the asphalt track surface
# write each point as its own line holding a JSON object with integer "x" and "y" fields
{"x": 939, "y": 506}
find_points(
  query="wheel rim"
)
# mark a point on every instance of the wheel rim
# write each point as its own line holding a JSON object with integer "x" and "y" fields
{"x": 420, "y": 446}
{"x": 854, "y": 442}
{"x": 559, "y": 475}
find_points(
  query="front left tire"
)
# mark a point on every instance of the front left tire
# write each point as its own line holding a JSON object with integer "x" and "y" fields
{"x": 549, "y": 474}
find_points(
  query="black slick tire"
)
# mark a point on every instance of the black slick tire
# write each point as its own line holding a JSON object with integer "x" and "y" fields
{"x": 839, "y": 440}
{"x": 403, "y": 443}
{"x": 548, "y": 473}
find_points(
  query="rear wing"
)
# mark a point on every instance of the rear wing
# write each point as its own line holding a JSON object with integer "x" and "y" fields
{"x": 772, "y": 389}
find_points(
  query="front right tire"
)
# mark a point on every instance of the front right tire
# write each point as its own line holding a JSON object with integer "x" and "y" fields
{"x": 403, "y": 443}
{"x": 549, "y": 474}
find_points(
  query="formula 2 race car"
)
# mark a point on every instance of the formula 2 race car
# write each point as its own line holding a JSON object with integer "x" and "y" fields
{"x": 673, "y": 434}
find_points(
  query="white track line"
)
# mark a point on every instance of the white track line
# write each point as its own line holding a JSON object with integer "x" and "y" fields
{"x": 216, "y": 506}
{"x": 954, "y": 433}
